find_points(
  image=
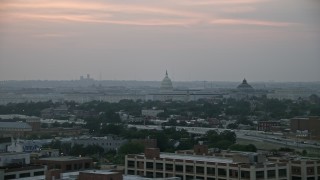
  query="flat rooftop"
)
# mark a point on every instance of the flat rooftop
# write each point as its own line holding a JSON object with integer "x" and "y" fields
{"x": 99, "y": 172}
{"x": 64, "y": 158}
{"x": 195, "y": 157}
{"x": 12, "y": 153}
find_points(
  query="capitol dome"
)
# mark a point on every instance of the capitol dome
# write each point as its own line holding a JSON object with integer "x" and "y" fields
{"x": 166, "y": 84}
{"x": 245, "y": 86}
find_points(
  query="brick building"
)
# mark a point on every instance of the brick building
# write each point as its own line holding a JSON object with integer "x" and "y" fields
{"x": 65, "y": 163}
{"x": 268, "y": 125}
{"x": 311, "y": 124}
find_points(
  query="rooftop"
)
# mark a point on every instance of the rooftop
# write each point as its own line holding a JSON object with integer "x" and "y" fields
{"x": 15, "y": 125}
{"x": 64, "y": 158}
{"x": 196, "y": 158}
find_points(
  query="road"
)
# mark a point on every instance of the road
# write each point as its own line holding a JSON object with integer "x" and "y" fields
{"x": 253, "y": 135}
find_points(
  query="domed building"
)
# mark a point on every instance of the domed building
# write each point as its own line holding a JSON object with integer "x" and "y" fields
{"x": 166, "y": 84}
{"x": 244, "y": 86}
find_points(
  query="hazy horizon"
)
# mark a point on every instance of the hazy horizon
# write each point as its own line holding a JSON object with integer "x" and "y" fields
{"x": 203, "y": 40}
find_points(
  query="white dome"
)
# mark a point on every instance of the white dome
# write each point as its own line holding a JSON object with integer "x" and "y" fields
{"x": 166, "y": 84}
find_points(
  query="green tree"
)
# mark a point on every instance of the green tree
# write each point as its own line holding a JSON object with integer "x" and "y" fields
{"x": 131, "y": 148}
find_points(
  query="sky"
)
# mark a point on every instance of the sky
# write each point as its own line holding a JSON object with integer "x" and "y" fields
{"x": 212, "y": 40}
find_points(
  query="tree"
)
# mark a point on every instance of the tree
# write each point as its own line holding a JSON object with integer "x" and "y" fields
{"x": 232, "y": 126}
{"x": 229, "y": 135}
{"x": 112, "y": 129}
{"x": 212, "y": 136}
{"x": 131, "y": 148}
{"x": 247, "y": 148}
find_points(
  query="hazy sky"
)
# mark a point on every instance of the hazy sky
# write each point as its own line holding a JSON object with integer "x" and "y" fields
{"x": 215, "y": 40}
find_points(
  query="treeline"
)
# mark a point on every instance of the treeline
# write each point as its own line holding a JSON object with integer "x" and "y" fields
{"x": 260, "y": 107}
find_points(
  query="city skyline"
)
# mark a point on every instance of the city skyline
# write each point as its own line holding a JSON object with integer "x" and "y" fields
{"x": 218, "y": 40}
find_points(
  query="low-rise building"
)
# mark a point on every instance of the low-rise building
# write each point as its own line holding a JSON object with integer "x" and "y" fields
{"x": 17, "y": 165}
{"x": 201, "y": 164}
{"x": 107, "y": 142}
{"x": 65, "y": 163}
{"x": 268, "y": 125}
{"x": 14, "y": 129}
{"x": 310, "y": 124}
{"x": 33, "y": 121}
{"x": 151, "y": 112}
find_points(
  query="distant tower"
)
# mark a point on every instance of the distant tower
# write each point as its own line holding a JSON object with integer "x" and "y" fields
{"x": 88, "y": 76}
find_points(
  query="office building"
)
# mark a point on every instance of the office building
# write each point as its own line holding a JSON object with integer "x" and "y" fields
{"x": 310, "y": 124}
{"x": 200, "y": 163}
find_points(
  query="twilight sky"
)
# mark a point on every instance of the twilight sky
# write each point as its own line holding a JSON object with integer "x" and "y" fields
{"x": 214, "y": 40}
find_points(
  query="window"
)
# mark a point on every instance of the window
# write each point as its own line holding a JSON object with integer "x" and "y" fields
{"x": 179, "y": 176}
{"x": 211, "y": 171}
{"x": 260, "y": 174}
{"x": 24, "y": 175}
{"x": 200, "y": 178}
{"x": 149, "y": 174}
{"x": 131, "y": 172}
{"x": 271, "y": 173}
{"x": 282, "y": 173}
{"x": 189, "y": 178}
{"x": 245, "y": 174}
{"x": 86, "y": 165}
{"x": 149, "y": 165}
{"x": 296, "y": 170}
{"x": 189, "y": 169}
{"x": 179, "y": 168}
{"x": 12, "y": 176}
{"x": 200, "y": 170}
{"x": 169, "y": 167}
{"x": 310, "y": 170}
{"x": 131, "y": 164}
{"x": 159, "y": 175}
{"x": 296, "y": 178}
{"x": 233, "y": 173}
{"x": 159, "y": 166}
{"x": 222, "y": 172}
{"x": 68, "y": 167}
{"x": 38, "y": 173}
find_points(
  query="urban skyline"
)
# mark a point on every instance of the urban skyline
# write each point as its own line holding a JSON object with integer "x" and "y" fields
{"x": 261, "y": 40}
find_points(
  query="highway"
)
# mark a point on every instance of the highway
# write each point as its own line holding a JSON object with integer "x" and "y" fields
{"x": 253, "y": 135}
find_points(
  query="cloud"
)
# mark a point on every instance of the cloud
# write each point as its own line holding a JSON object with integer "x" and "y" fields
{"x": 251, "y": 22}
{"x": 219, "y": 2}
{"x": 141, "y": 14}
{"x": 51, "y": 35}
{"x": 240, "y": 9}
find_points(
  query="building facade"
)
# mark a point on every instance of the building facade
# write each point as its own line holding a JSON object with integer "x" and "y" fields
{"x": 268, "y": 125}
{"x": 65, "y": 163}
{"x": 310, "y": 124}
{"x": 107, "y": 143}
{"x": 154, "y": 164}
{"x": 199, "y": 164}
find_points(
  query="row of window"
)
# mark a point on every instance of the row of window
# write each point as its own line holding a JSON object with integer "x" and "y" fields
{"x": 150, "y": 174}
{"x": 23, "y": 175}
{"x": 210, "y": 170}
